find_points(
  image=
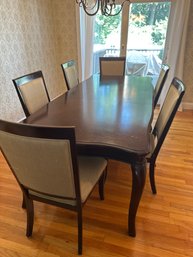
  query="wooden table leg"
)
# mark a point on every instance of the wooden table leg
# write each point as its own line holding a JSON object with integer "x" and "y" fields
{"x": 138, "y": 182}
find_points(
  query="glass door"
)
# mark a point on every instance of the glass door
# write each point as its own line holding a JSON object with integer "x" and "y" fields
{"x": 107, "y": 38}
{"x": 147, "y": 29}
{"x": 138, "y": 32}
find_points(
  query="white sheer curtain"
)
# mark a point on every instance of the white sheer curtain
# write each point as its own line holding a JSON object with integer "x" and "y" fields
{"x": 175, "y": 42}
{"x": 85, "y": 28}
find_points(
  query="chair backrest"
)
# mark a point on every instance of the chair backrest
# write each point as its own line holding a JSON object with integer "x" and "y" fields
{"x": 70, "y": 74}
{"x": 160, "y": 82}
{"x": 32, "y": 92}
{"x": 43, "y": 159}
{"x": 112, "y": 66}
{"x": 167, "y": 113}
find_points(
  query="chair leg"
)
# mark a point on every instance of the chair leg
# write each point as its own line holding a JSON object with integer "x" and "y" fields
{"x": 152, "y": 177}
{"x": 23, "y": 202}
{"x": 101, "y": 184}
{"x": 79, "y": 216}
{"x": 105, "y": 173}
{"x": 30, "y": 216}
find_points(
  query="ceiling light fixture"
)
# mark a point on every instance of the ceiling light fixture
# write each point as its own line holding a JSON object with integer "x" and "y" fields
{"x": 107, "y": 7}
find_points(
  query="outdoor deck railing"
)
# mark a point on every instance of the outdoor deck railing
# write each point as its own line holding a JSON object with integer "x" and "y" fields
{"x": 116, "y": 52}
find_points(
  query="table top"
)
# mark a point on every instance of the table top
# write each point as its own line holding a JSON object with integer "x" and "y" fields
{"x": 111, "y": 116}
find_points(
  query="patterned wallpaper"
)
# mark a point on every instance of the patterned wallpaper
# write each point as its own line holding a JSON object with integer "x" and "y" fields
{"x": 34, "y": 35}
{"x": 188, "y": 68}
{"x": 65, "y": 27}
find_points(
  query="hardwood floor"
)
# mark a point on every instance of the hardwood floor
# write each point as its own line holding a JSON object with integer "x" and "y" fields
{"x": 164, "y": 221}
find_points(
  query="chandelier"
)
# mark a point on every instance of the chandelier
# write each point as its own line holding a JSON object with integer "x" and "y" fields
{"x": 107, "y": 7}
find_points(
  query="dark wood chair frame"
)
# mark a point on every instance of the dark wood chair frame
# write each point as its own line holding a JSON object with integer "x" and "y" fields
{"x": 166, "y": 70}
{"x": 66, "y": 65}
{"x": 152, "y": 159}
{"x": 101, "y": 59}
{"x": 51, "y": 133}
{"x": 25, "y": 79}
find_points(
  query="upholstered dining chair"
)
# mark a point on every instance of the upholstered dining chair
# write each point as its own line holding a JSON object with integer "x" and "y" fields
{"x": 32, "y": 92}
{"x": 112, "y": 66}
{"x": 163, "y": 123}
{"x": 50, "y": 171}
{"x": 70, "y": 74}
{"x": 160, "y": 83}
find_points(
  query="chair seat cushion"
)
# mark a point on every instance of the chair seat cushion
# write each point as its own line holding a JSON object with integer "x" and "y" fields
{"x": 90, "y": 170}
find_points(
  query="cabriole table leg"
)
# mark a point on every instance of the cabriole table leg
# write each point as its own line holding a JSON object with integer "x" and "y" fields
{"x": 138, "y": 182}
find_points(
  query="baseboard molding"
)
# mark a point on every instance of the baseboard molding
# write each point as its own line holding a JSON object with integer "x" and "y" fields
{"x": 187, "y": 106}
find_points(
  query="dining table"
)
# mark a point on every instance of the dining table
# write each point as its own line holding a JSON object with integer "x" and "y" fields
{"x": 112, "y": 118}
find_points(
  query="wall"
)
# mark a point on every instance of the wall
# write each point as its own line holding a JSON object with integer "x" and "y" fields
{"x": 65, "y": 28}
{"x": 188, "y": 68}
{"x": 34, "y": 35}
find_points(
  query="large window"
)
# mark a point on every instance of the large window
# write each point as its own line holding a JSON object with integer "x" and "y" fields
{"x": 107, "y": 37}
{"x": 139, "y": 33}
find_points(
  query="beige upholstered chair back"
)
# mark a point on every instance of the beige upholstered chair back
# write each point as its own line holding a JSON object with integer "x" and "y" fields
{"x": 32, "y": 92}
{"x": 42, "y": 165}
{"x": 166, "y": 115}
{"x": 70, "y": 74}
{"x": 166, "y": 110}
{"x": 160, "y": 82}
{"x": 112, "y": 66}
{"x": 169, "y": 108}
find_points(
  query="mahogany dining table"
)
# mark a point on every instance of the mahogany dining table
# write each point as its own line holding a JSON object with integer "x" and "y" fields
{"x": 112, "y": 118}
